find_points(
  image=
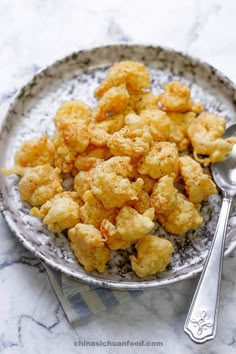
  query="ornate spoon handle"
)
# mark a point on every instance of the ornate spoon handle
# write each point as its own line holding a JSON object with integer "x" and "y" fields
{"x": 201, "y": 322}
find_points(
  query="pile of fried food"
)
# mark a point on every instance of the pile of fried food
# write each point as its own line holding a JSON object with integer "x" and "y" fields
{"x": 136, "y": 158}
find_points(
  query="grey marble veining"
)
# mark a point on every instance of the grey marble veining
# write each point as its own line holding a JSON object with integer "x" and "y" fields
{"x": 32, "y": 35}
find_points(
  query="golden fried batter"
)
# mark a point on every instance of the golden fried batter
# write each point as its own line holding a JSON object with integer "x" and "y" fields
{"x": 35, "y": 152}
{"x": 179, "y": 123}
{"x": 133, "y": 140}
{"x": 158, "y": 123}
{"x": 39, "y": 184}
{"x": 89, "y": 247}
{"x": 135, "y": 75}
{"x": 73, "y": 110}
{"x": 198, "y": 185}
{"x": 114, "y": 100}
{"x": 59, "y": 213}
{"x": 93, "y": 211}
{"x": 164, "y": 195}
{"x": 205, "y": 134}
{"x": 153, "y": 255}
{"x": 111, "y": 185}
{"x": 182, "y": 218}
{"x": 161, "y": 159}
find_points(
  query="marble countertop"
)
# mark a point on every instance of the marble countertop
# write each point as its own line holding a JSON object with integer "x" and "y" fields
{"x": 33, "y": 33}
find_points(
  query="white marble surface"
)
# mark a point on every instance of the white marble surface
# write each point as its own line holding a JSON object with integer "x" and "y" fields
{"x": 33, "y": 33}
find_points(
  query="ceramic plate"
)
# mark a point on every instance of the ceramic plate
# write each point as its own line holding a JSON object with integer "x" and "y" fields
{"x": 75, "y": 77}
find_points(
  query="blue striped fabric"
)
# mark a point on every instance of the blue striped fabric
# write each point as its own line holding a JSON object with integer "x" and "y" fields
{"x": 80, "y": 301}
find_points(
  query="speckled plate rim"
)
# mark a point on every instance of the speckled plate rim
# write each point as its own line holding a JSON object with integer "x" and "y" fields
{"x": 87, "y": 278}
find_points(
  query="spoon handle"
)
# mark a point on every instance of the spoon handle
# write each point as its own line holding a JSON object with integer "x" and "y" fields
{"x": 201, "y": 322}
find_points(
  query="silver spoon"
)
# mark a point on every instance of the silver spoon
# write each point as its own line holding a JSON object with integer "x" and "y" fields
{"x": 201, "y": 322}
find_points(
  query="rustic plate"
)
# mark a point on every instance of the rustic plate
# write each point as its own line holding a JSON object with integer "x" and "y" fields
{"x": 75, "y": 77}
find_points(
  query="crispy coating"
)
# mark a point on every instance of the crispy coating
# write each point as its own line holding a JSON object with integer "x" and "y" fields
{"x": 114, "y": 100}
{"x": 144, "y": 101}
{"x": 164, "y": 195}
{"x": 176, "y": 98}
{"x": 39, "y": 184}
{"x": 98, "y": 136}
{"x": 135, "y": 75}
{"x": 161, "y": 159}
{"x": 35, "y": 152}
{"x": 197, "y": 184}
{"x": 141, "y": 223}
{"x": 59, "y": 213}
{"x": 112, "y": 124}
{"x": 158, "y": 123}
{"x": 179, "y": 123}
{"x": 133, "y": 140}
{"x": 89, "y": 247}
{"x": 153, "y": 255}
{"x": 82, "y": 182}
{"x": 143, "y": 203}
{"x": 111, "y": 185}
{"x": 72, "y": 110}
{"x": 183, "y": 217}
{"x": 148, "y": 183}
{"x": 122, "y": 236}
{"x": 93, "y": 211}
{"x": 72, "y": 137}
{"x": 113, "y": 239}
{"x": 205, "y": 134}
{"x": 92, "y": 157}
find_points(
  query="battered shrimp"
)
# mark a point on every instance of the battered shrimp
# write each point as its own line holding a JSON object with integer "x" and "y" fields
{"x": 122, "y": 235}
{"x": 73, "y": 110}
{"x": 72, "y": 137}
{"x": 144, "y": 101}
{"x": 176, "y": 98}
{"x": 59, "y": 213}
{"x": 197, "y": 184}
{"x": 92, "y": 157}
{"x": 113, "y": 123}
{"x": 82, "y": 182}
{"x": 98, "y": 136}
{"x": 182, "y": 218}
{"x": 89, "y": 247}
{"x": 143, "y": 203}
{"x": 133, "y": 140}
{"x": 114, "y": 100}
{"x": 161, "y": 159}
{"x": 135, "y": 75}
{"x": 179, "y": 123}
{"x": 205, "y": 135}
{"x": 35, "y": 152}
{"x": 153, "y": 255}
{"x": 164, "y": 195}
{"x": 158, "y": 123}
{"x": 39, "y": 184}
{"x": 93, "y": 211}
{"x": 111, "y": 185}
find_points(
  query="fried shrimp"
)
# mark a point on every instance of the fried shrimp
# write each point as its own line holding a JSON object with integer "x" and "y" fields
{"x": 205, "y": 134}
{"x": 197, "y": 184}
{"x": 59, "y": 213}
{"x": 133, "y": 140}
{"x": 111, "y": 185}
{"x": 39, "y": 184}
{"x": 161, "y": 159}
{"x": 89, "y": 247}
{"x": 153, "y": 255}
{"x": 35, "y": 152}
{"x": 182, "y": 218}
{"x": 72, "y": 110}
{"x": 122, "y": 235}
{"x": 114, "y": 100}
{"x": 135, "y": 75}
{"x": 164, "y": 194}
{"x": 176, "y": 98}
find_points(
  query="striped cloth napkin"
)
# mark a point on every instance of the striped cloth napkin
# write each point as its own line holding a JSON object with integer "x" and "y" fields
{"x": 80, "y": 300}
